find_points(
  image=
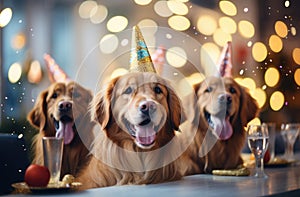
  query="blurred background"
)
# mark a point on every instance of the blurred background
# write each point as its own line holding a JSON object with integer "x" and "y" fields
{"x": 265, "y": 37}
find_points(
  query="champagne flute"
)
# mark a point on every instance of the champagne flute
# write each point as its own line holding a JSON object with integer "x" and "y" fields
{"x": 290, "y": 133}
{"x": 258, "y": 141}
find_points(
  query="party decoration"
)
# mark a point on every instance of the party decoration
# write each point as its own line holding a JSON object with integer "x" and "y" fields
{"x": 158, "y": 58}
{"x": 225, "y": 61}
{"x": 140, "y": 60}
{"x": 55, "y": 73}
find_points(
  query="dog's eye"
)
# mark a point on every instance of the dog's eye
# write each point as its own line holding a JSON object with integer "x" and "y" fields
{"x": 76, "y": 95}
{"x": 209, "y": 89}
{"x": 232, "y": 90}
{"x": 54, "y": 95}
{"x": 157, "y": 90}
{"x": 128, "y": 90}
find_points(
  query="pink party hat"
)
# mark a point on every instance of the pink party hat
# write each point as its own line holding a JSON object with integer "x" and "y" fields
{"x": 225, "y": 61}
{"x": 55, "y": 73}
{"x": 158, "y": 58}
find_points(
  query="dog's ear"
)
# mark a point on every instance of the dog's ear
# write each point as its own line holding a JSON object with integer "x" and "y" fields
{"x": 38, "y": 115}
{"x": 248, "y": 107}
{"x": 174, "y": 105}
{"x": 101, "y": 105}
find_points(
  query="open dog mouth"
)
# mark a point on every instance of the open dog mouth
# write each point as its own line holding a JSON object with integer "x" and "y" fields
{"x": 144, "y": 133}
{"x": 220, "y": 125}
{"x": 65, "y": 128}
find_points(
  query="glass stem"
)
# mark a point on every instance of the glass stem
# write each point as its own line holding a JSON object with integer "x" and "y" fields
{"x": 260, "y": 167}
{"x": 290, "y": 151}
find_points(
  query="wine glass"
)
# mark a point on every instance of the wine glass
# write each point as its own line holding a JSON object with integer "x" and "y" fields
{"x": 290, "y": 132}
{"x": 258, "y": 141}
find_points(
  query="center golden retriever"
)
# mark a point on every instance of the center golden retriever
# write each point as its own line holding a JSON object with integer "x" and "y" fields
{"x": 139, "y": 114}
{"x": 220, "y": 110}
{"x": 62, "y": 110}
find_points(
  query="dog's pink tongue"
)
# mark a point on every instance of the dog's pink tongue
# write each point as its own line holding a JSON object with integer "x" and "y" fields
{"x": 65, "y": 130}
{"x": 222, "y": 127}
{"x": 145, "y": 135}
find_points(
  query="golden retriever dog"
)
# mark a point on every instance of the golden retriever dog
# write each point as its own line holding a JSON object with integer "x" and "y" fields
{"x": 139, "y": 114}
{"x": 62, "y": 110}
{"x": 221, "y": 110}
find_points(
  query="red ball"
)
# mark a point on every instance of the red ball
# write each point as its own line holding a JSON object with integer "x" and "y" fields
{"x": 37, "y": 176}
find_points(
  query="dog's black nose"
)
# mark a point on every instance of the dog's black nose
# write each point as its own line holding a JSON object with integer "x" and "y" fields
{"x": 225, "y": 98}
{"x": 64, "y": 106}
{"x": 147, "y": 107}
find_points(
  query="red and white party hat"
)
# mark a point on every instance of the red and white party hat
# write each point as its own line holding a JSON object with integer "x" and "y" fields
{"x": 225, "y": 61}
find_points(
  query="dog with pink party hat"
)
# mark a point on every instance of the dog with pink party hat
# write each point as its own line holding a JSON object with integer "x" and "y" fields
{"x": 61, "y": 110}
{"x": 221, "y": 109}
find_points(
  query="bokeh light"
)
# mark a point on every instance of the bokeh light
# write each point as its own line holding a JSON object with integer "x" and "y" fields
{"x": 109, "y": 43}
{"x": 5, "y": 16}
{"x": 255, "y": 121}
{"x": 212, "y": 50}
{"x": 176, "y": 57}
{"x": 297, "y": 76}
{"x": 246, "y": 29}
{"x": 228, "y": 8}
{"x": 206, "y": 25}
{"x": 142, "y": 2}
{"x": 148, "y": 23}
{"x": 228, "y": 25}
{"x": 276, "y": 101}
{"x": 260, "y": 96}
{"x": 18, "y": 41}
{"x": 98, "y": 14}
{"x": 272, "y": 77}
{"x": 118, "y": 72}
{"x": 162, "y": 9}
{"x": 296, "y": 55}
{"x": 179, "y": 23}
{"x": 85, "y": 8}
{"x": 221, "y": 38}
{"x": 249, "y": 83}
{"x": 177, "y": 7}
{"x": 281, "y": 29}
{"x": 275, "y": 43}
{"x": 293, "y": 31}
{"x": 14, "y": 72}
{"x": 196, "y": 78}
{"x": 259, "y": 51}
{"x": 117, "y": 23}
{"x": 35, "y": 72}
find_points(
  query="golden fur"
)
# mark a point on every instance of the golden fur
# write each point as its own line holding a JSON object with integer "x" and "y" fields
{"x": 46, "y": 109}
{"x": 118, "y": 156}
{"x": 208, "y": 151}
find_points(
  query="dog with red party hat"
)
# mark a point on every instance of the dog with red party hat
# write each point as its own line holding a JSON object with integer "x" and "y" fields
{"x": 61, "y": 110}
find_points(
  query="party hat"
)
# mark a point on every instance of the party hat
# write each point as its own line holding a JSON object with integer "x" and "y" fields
{"x": 225, "y": 61}
{"x": 55, "y": 73}
{"x": 158, "y": 58}
{"x": 140, "y": 60}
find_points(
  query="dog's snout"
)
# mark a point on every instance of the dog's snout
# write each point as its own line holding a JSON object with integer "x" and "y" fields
{"x": 225, "y": 98}
{"x": 64, "y": 106}
{"x": 147, "y": 107}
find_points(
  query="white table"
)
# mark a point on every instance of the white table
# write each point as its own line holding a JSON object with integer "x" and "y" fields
{"x": 284, "y": 180}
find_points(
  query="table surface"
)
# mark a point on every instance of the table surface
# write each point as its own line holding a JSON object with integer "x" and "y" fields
{"x": 280, "y": 180}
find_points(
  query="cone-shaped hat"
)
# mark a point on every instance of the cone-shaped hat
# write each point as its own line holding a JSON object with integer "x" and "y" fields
{"x": 225, "y": 61}
{"x": 140, "y": 60}
{"x": 55, "y": 73}
{"x": 158, "y": 58}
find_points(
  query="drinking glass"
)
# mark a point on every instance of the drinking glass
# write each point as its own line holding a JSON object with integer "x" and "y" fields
{"x": 272, "y": 138}
{"x": 53, "y": 151}
{"x": 258, "y": 140}
{"x": 290, "y": 132}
